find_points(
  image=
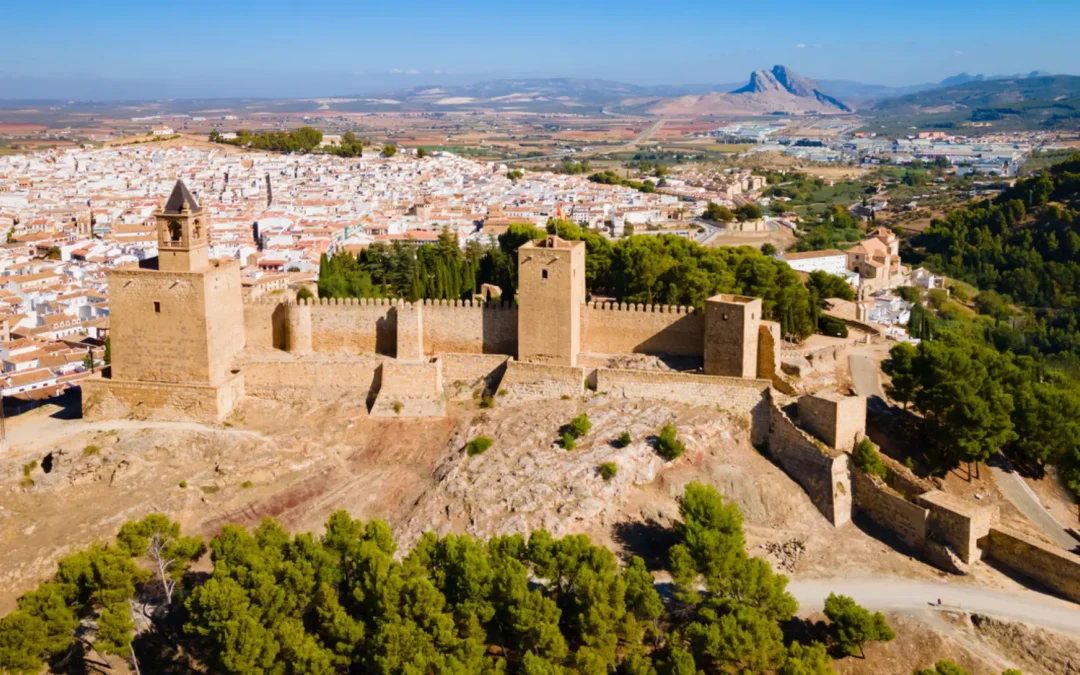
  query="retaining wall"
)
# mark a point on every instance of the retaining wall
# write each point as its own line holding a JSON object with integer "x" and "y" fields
{"x": 1054, "y": 568}
{"x": 541, "y": 381}
{"x": 318, "y": 377}
{"x": 957, "y": 522}
{"x": 731, "y": 393}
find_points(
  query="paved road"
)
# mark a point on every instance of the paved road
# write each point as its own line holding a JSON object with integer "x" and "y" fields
{"x": 1023, "y": 498}
{"x": 894, "y": 594}
{"x": 864, "y": 372}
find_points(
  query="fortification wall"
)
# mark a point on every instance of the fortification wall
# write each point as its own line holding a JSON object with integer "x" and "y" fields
{"x": 106, "y": 398}
{"x": 888, "y": 508}
{"x": 618, "y": 328}
{"x": 901, "y": 479}
{"x": 465, "y": 327}
{"x": 839, "y": 421}
{"x": 264, "y": 324}
{"x": 541, "y": 381}
{"x": 958, "y": 523}
{"x": 822, "y": 472}
{"x": 317, "y": 377}
{"x": 354, "y": 326}
{"x": 1053, "y": 568}
{"x": 410, "y": 389}
{"x": 471, "y": 367}
{"x": 731, "y": 393}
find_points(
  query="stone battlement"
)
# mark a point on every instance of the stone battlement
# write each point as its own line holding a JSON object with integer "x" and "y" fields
{"x": 638, "y": 307}
{"x": 375, "y": 302}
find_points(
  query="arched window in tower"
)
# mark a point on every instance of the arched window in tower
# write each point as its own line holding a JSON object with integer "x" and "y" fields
{"x": 196, "y": 232}
{"x": 175, "y": 232}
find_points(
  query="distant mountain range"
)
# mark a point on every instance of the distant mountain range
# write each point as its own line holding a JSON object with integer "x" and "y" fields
{"x": 1049, "y": 101}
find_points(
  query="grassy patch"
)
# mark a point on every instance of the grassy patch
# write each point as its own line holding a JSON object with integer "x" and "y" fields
{"x": 246, "y": 484}
{"x": 91, "y": 450}
{"x": 478, "y": 445}
{"x": 569, "y": 442}
{"x": 624, "y": 440}
{"x": 210, "y": 489}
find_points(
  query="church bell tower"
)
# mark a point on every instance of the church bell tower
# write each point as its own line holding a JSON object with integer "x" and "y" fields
{"x": 183, "y": 245}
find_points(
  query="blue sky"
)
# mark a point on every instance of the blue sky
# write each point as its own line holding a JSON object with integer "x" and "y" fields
{"x": 290, "y": 48}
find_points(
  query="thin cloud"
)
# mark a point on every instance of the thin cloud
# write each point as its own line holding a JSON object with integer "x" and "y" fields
{"x": 957, "y": 52}
{"x": 801, "y": 45}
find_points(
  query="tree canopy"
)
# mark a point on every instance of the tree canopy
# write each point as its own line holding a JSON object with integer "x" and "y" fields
{"x": 350, "y": 601}
{"x": 639, "y": 269}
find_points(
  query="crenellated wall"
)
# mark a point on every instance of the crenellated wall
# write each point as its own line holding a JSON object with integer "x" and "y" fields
{"x": 465, "y": 327}
{"x": 623, "y": 328}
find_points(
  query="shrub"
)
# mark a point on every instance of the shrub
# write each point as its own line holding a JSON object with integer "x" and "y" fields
{"x": 831, "y": 326}
{"x": 668, "y": 445}
{"x": 209, "y": 489}
{"x": 908, "y": 293}
{"x": 569, "y": 442}
{"x": 624, "y": 439}
{"x": 580, "y": 425}
{"x": 183, "y": 483}
{"x": 304, "y": 293}
{"x": 486, "y": 401}
{"x": 91, "y": 450}
{"x": 398, "y": 406}
{"x": 866, "y": 458}
{"x": 28, "y": 467}
{"x": 608, "y": 470}
{"x": 246, "y": 484}
{"x": 909, "y": 463}
{"x": 478, "y": 445}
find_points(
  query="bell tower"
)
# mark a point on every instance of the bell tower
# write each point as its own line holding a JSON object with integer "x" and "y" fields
{"x": 183, "y": 245}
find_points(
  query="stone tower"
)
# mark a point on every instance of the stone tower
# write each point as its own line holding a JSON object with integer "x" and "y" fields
{"x": 176, "y": 321}
{"x": 183, "y": 245}
{"x": 731, "y": 335}
{"x": 551, "y": 290}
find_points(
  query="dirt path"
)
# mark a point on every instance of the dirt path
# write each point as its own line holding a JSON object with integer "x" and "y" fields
{"x": 908, "y": 596}
{"x": 45, "y": 430}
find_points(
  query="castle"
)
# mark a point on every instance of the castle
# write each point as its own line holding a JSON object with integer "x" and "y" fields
{"x": 186, "y": 344}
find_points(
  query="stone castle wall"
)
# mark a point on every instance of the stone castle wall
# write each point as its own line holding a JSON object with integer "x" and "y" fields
{"x": 617, "y": 328}
{"x": 888, "y": 508}
{"x": 107, "y": 398}
{"x": 1054, "y": 568}
{"x": 541, "y": 381}
{"x": 731, "y": 393}
{"x": 370, "y": 326}
{"x": 822, "y": 471}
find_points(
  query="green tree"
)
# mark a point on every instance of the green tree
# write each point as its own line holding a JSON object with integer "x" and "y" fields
{"x": 421, "y": 153}
{"x": 718, "y": 213}
{"x": 866, "y": 458}
{"x": 748, "y": 212}
{"x": 812, "y": 659}
{"x": 853, "y": 626}
{"x": 389, "y": 150}
{"x": 304, "y": 293}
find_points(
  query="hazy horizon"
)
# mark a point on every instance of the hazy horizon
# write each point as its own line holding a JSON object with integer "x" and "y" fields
{"x": 278, "y": 49}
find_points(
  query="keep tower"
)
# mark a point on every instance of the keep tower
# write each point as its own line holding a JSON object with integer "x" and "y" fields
{"x": 176, "y": 321}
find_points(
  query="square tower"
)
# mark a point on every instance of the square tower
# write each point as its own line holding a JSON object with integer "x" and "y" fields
{"x": 177, "y": 319}
{"x": 551, "y": 290}
{"x": 731, "y": 335}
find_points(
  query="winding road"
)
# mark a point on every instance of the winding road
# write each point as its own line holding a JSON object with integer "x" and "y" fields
{"x": 910, "y": 596}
